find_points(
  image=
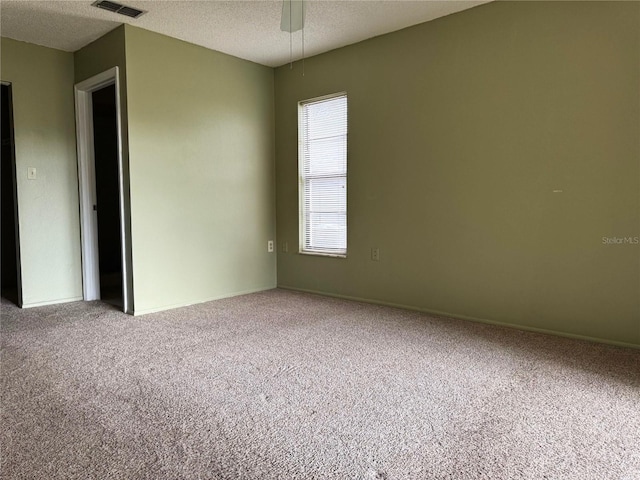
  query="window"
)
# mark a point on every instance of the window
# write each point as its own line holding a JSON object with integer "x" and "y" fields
{"x": 322, "y": 164}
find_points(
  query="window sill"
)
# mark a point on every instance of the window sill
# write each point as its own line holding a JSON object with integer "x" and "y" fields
{"x": 321, "y": 254}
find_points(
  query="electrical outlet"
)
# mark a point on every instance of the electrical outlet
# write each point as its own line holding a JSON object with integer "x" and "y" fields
{"x": 285, "y": 247}
{"x": 270, "y": 246}
{"x": 375, "y": 254}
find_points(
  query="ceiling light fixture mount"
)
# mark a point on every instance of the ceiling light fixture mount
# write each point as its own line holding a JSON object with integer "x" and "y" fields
{"x": 292, "y": 16}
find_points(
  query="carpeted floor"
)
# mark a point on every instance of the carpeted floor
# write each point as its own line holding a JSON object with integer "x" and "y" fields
{"x": 284, "y": 385}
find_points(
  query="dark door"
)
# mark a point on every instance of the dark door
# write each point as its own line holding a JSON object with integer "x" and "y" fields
{"x": 8, "y": 215}
{"x": 105, "y": 139}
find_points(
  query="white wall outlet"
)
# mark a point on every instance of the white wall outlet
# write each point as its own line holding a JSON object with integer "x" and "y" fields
{"x": 270, "y": 246}
{"x": 31, "y": 173}
{"x": 375, "y": 254}
{"x": 285, "y": 247}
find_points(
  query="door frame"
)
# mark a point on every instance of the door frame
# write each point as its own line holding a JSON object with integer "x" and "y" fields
{"x": 14, "y": 181}
{"x": 87, "y": 189}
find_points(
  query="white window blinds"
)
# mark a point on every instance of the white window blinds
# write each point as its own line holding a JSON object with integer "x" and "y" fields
{"x": 323, "y": 175}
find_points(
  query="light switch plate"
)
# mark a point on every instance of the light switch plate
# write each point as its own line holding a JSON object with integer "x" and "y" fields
{"x": 31, "y": 173}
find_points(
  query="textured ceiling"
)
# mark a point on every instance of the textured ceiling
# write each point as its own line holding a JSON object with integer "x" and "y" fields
{"x": 245, "y": 29}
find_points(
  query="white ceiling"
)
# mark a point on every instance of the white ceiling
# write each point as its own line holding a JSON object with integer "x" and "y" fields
{"x": 245, "y": 29}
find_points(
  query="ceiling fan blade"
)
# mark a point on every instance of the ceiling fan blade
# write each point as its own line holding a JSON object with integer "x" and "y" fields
{"x": 292, "y": 15}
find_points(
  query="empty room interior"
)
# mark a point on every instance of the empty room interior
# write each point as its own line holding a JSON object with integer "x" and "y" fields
{"x": 320, "y": 240}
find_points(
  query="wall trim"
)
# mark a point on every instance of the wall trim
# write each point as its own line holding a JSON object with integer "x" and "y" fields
{"x": 467, "y": 317}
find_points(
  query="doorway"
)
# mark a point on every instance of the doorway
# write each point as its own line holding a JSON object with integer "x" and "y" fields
{"x": 105, "y": 145}
{"x": 103, "y": 182}
{"x": 10, "y": 284}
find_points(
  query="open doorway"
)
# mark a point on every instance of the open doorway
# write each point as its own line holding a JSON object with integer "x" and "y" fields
{"x": 103, "y": 181}
{"x": 105, "y": 143}
{"x": 9, "y": 244}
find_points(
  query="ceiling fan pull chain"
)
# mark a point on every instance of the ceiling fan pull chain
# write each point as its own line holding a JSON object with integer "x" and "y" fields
{"x": 290, "y": 37}
{"x": 303, "y": 38}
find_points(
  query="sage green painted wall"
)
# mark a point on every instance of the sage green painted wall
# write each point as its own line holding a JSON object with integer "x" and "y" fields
{"x": 102, "y": 54}
{"x": 44, "y": 129}
{"x": 97, "y": 57}
{"x": 202, "y": 172}
{"x": 460, "y": 131}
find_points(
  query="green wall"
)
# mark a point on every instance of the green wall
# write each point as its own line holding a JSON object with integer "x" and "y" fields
{"x": 102, "y": 54}
{"x": 489, "y": 153}
{"x": 202, "y": 172}
{"x": 44, "y": 128}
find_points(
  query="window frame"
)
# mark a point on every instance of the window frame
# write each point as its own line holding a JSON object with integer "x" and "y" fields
{"x": 301, "y": 179}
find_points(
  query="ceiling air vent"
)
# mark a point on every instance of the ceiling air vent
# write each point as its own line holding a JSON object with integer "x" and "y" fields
{"x": 118, "y": 8}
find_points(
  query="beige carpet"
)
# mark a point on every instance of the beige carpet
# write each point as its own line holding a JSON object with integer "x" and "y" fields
{"x": 283, "y": 385}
